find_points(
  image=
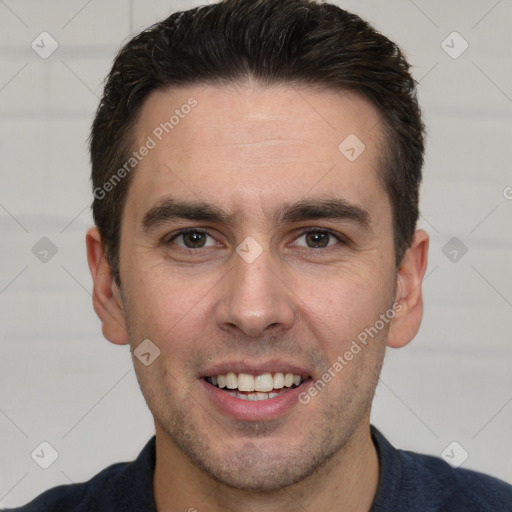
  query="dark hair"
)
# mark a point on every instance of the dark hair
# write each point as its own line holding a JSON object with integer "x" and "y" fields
{"x": 274, "y": 42}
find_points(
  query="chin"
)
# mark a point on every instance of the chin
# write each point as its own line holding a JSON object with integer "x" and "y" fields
{"x": 264, "y": 477}
{"x": 263, "y": 469}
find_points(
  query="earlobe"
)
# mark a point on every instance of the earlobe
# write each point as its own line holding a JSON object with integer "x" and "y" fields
{"x": 409, "y": 295}
{"x": 106, "y": 296}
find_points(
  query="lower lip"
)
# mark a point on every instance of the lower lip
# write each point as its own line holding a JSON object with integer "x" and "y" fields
{"x": 260, "y": 410}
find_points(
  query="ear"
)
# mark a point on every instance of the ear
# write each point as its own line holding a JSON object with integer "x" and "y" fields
{"x": 409, "y": 297}
{"x": 106, "y": 297}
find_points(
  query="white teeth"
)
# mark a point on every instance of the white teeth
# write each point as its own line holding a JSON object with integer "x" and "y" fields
{"x": 245, "y": 382}
{"x": 231, "y": 381}
{"x": 261, "y": 385}
{"x": 278, "y": 380}
{"x": 264, "y": 382}
{"x": 254, "y": 397}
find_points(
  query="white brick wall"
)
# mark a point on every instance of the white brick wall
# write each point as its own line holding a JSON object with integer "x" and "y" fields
{"x": 452, "y": 383}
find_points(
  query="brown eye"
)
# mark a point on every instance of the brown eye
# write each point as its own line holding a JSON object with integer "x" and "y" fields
{"x": 193, "y": 239}
{"x": 317, "y": 239}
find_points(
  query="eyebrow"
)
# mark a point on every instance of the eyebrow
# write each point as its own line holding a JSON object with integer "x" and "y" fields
{"x": 329, "y": 209}
{"x": 171, "y": 209}
{"x": 306, "y": 209}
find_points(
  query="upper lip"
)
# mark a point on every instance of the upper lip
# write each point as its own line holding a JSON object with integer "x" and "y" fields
{"x": 256, "y": 368}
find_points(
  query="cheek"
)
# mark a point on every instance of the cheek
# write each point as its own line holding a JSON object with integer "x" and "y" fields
{"x": 343, "y": 318}
{"x": 161, "y": 310}
{"x": 166, "y": 307}
{"x": 344, "y": 303}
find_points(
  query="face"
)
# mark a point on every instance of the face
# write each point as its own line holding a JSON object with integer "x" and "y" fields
{"x": 253, "y": 248}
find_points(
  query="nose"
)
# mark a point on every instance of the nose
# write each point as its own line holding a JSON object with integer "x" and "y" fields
{"x": 255, "y": 298}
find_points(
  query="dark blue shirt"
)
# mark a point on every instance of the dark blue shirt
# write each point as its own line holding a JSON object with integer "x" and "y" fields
{"x": 409, "y": 482}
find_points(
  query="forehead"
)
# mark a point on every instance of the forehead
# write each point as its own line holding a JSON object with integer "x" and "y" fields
{"x": 246, "y": 146}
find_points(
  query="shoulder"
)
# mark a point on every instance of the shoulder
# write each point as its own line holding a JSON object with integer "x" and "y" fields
{"x": 77, "y": 497}
{"x": 455, "y": 489}
{"x": 415, "y": 482}
{"x": 124, "y": 486}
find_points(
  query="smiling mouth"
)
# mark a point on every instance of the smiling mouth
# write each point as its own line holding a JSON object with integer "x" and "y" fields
{"x": 255, "y": 387}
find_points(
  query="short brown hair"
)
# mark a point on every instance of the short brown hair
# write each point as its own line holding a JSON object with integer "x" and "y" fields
{"x": 272, "y": 41}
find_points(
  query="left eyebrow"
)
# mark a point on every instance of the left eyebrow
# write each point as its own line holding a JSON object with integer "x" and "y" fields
{"x": 321, "y": 208}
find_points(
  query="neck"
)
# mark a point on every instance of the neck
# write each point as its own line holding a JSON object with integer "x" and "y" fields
{"x": 347, "y": 481}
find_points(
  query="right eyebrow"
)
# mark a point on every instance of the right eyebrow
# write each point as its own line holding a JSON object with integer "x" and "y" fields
{"x": 171, "y": 209}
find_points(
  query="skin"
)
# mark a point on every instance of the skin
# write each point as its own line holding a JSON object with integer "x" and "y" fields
{"x": 250, "y": 149}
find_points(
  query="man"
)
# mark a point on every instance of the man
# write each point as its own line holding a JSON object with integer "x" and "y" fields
{"x": 255, "y": 167}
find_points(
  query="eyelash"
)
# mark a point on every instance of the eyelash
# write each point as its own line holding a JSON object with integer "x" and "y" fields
{"x": 168, "y": 240}
{"x": 324, "y": 231}
{"x": 338, "y": 236}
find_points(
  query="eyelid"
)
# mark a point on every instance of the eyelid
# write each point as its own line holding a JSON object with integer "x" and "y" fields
{"x": 167, "y": 239}
{"x": 312, "y": 229}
